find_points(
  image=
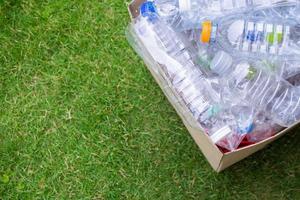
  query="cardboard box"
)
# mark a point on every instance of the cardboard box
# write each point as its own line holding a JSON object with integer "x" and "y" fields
{"x": 218, "y": 160}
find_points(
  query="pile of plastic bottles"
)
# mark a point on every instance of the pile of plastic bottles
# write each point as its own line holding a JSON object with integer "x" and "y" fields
{"x": 234, "y": 63}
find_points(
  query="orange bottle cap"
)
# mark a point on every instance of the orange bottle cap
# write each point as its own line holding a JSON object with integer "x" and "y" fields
{"x": 206, "y": 31}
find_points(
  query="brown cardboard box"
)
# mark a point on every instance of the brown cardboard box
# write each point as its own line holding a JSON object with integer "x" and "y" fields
{"x": 218, "y": 160}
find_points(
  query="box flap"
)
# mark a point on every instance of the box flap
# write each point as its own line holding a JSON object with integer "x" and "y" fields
{"x": 134, "y": 8}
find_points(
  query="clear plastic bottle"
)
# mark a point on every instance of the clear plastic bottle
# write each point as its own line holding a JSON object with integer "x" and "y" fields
{"x": 186, "y": 14}
{"x": 252, "y": 37}
{"x": 245, "y": 82}
{"x": 241, "y": 81}
{"x": 221, "y": 6}
{"x": 168, "y": 48}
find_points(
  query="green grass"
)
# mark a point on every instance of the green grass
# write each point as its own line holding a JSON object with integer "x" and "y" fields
{"x": 82, "y": 118}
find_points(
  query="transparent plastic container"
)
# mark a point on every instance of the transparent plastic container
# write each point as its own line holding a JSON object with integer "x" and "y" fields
{"x": 242, "y": 81}
{"x": 187, "y": 14}
{"x": 252, "y": 37}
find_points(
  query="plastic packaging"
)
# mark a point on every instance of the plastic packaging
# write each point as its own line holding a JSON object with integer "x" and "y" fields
{"x": 263, "y": 128}
{"x": 239, "y": 76}
{"x": 168, "y": 48}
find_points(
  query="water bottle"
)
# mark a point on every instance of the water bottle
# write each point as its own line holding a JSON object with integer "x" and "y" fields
{"x": 243, "y": 81}
{"x": 168, "y": 48}
{"x": 221, "y": 6}
{"x": 186, "y": 14}
{"x": 252, "y": 37}
{"x": 165, "y": 45}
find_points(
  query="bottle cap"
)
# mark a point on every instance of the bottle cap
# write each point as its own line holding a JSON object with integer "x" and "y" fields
{"x": 221, "y": 63}
{"x": 206, "y": 31}
{"x": 236, "y": 30}
{"x": 148, "y": 10}
{"x": 184, "y": 5}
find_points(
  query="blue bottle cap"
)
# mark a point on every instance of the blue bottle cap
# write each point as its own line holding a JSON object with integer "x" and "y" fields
{"x": 246, "y": 130}
{"x": 148, "y": 10}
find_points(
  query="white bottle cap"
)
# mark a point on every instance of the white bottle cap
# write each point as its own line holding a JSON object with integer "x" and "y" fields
{"x": 221, "y": 63}
{"x": 184, "y": 5}
{"x": 235, "y": 31}
{"x": 220, "y": 134}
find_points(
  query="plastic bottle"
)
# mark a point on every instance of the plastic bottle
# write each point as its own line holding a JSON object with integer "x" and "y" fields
{"x": 165, "y": 45}
{"x": 252, "y": 37}
{"x": 167, "y": 48}
{"x": 186, "y": 14}
{"x": 245, "y": 82}
{"x": 241, "y": 81}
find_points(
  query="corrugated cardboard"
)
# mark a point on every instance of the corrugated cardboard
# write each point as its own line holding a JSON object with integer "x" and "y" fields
{"x": 218, "y": 160}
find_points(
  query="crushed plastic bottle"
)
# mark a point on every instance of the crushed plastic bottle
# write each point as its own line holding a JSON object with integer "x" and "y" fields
{"x": 245, "y": 82}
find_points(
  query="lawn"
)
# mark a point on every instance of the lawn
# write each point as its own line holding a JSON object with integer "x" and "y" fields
{"x": 82, "y": 118}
